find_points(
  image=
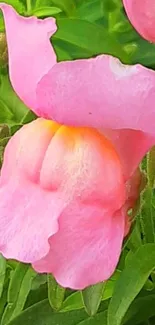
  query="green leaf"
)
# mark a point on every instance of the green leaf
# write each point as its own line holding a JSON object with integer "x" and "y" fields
{"x": 90, "y": 10}
{"x": 144, "y": 53}
{"x": 2, "y": 273}
{"x": 3, "y": 298}
{"x": 56, "y": 293}
{"x": 146, "y": 216}
{"x": 151, "y": 167}
{"x": 3, "y": 302}
{"x": 37, "y": 295}
{"x": 39, "y": 280}
{"x": 42, "y": 314}
{"x": 67, "y": 5}
{"x": 28, "y": 117}
{"x": 17, "y": 4}
{"x": 110, "y": 285}
{"x": 130, "y": 282}
{"x": 134, "y": 240}
{"x": 19, "y": 287}
{"x": 75, "y": 301}
{"x": 46, "y": 11}
{"x": 140, "y": 310}
{"x": 99, "y": 319}
{"x": 92, "y": 297}
{"x": 88, "y": 37}
{"x": 12, "y": 109}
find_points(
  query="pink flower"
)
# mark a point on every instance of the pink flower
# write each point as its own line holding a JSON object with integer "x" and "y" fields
{"x": 141, "y": 13}
{"x": 66, "y": 186}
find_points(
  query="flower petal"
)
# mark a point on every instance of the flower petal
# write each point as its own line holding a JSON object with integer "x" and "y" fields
{"x": 30, "y": 53}
{"x": 86, "y": 249}
{"x": 131, "y": 145}
{"x": 25, "y": 224}
{"x": 103, "y": 93}
{"x": 59, "y": 173}
{"x": 99, "y": 93}
{"x": 142, "y": 16}
{"x": 87, "y": 246}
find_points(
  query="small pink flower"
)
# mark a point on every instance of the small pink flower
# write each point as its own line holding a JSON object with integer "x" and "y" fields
{"x": 66, "y": 186}
{"x": 141, "y": 13}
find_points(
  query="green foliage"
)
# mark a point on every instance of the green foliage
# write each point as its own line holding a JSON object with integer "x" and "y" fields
{"x": 2, "y": 274}
{"x": 131, "y": 281}
{"x": 92, "y": 297}
{"x": 55, "y": 293}
{"x": 18, "y": 290}
{"x": 12, "y": 110}
{"x": 42, "y": 314}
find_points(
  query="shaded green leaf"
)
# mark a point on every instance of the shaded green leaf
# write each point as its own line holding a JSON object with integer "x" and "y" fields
{"x": 42, "y": 314}
{"x": 17, "y": 4}
{"x": 38, "y": 281}
{"x": 74, "y": 301}
{"x": 12, "y": 109}
{"x": 151, "y": 167}
{"x": 19, "y": 287}
{"x": 90, "y": 10}
{"x": 2, "y": 273}
{"x": 130, "y": 282}
{"x": 56, "y": 293}
{"x": 98, "y": 319}
{"x": 67, "y": 5}
{"x": 140, "y": 310}
{"x": 88, "y": 37}
{"x": 92, "y": 297}
{"x": 28, "y": 117}
{"x": 146, "y": 216}
{"x": 37, "y": 295}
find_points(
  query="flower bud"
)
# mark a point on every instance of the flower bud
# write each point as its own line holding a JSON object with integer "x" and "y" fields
{"x": 142, "y": 16}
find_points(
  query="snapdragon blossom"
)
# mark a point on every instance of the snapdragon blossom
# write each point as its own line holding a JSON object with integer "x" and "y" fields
{"x": 69, "y": 178}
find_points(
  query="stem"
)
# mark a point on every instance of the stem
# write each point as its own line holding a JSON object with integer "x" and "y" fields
{"x": 29, "y": 6}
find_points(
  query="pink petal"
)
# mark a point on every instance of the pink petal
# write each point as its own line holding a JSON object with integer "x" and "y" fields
{"x": 31, "y": 55}
{"x": 26, "y": 220}
{"x": 142, "y": 16}
{"x": 103, "y": 93}
{"x": 68, "y": 181}
{"x": 86, "y": 249}
{"x": 100, "y": 93}
{"x": 28, "y": 213}
{"x": 131, "y": 145}
{"x": 87, "y": 246}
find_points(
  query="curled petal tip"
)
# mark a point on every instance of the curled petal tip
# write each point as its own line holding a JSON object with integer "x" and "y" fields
{"x": 31, "y": 54}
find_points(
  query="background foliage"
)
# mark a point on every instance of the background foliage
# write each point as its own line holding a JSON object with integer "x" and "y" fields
{"x": 85, "y": 28}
